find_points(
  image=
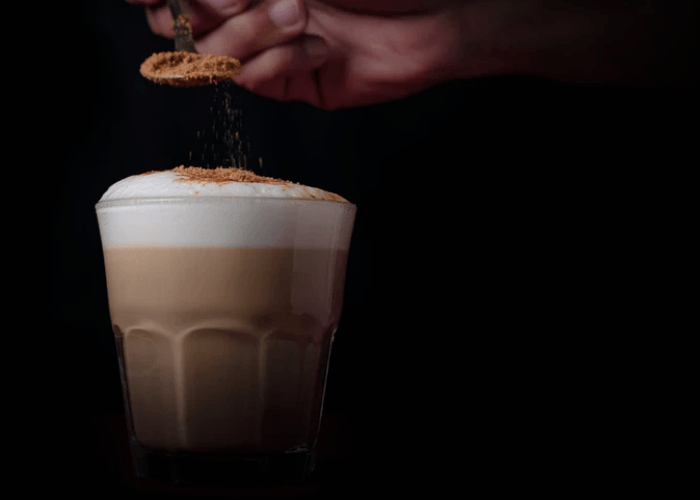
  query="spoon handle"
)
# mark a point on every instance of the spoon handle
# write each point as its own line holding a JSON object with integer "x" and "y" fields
{"x": 182, "y": 28}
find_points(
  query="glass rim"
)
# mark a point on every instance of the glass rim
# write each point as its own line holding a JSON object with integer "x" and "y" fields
{"x": 164, "y": 200}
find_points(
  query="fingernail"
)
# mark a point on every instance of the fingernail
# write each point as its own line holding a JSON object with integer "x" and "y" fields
{"x": 317, "y": 50}
{"x": 284, "y": 13}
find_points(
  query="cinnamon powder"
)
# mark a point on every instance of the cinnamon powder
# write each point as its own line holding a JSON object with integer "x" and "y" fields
{"x": 191, "y": 66}
{"x": 221, "y": 175}
{"x": 182, "y": 26}
{"x": 226, "y": 175}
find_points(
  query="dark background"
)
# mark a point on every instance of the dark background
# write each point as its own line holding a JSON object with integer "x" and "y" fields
{"x": 505, "y": 227}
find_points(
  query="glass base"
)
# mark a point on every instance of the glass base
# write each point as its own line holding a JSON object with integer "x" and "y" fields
{"x": 220, "y": 469}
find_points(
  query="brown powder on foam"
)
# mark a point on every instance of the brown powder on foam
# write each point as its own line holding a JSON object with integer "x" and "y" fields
{"x": 221, "y": 175}
{"x": 189, "y": 65}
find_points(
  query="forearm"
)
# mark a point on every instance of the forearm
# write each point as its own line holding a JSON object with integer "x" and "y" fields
{"x": 581, "y": 41}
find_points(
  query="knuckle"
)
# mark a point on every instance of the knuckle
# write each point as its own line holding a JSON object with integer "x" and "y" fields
{"x": 249, "y": 81}
{"x": 267, "y": 68}
{"x": 260, "y": 82}
{"x": 286, "y": 59}
{"x": 257, "y": 84}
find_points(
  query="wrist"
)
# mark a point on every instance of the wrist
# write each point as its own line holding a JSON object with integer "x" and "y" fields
{"x": 464, "y": 48}
{"x": 530, "y": 37}
{"x": 587, "y": 42}
{"x": 489, "y": 41}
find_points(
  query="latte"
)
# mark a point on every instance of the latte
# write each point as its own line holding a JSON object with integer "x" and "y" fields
{"x": 224, "y": 297}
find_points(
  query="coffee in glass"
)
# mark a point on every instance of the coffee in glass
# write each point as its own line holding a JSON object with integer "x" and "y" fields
{"x": 224, "y": 297}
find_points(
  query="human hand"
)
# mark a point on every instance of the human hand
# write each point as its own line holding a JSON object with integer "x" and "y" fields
{"x": 329, "y": 53}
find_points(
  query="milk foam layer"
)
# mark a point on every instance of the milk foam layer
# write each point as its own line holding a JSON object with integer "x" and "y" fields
{"x": 156, "y": 211}
{"x": 166, "y": 184}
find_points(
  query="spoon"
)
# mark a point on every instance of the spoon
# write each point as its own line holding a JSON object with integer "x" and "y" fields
{"x": 182, "y": 28}
{"x": 185, "y": 43}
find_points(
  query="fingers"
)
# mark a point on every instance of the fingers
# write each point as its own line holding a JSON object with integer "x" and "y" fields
{"x": 267, "y": 73}
{"x": 267, "y": 36}
{"x": 270, "y": 23}
{"x": 204, "y": 15}
{"x": 237, "y": 28}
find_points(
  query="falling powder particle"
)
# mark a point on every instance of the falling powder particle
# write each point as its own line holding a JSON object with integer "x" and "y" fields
{"x": 224, "y": 143}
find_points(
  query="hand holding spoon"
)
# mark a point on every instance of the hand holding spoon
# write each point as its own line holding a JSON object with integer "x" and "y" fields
{"x": 185, "y": 67}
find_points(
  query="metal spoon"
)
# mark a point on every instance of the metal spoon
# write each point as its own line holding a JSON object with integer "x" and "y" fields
{"x": 182, "y": 28}
{"x": 185, "y": 43}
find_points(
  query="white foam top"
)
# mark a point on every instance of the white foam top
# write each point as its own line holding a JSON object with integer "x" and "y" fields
{"x": 166, "y": 184}
{"x": 155, "y": 210}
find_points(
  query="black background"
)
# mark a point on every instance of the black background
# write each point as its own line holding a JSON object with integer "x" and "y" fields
{"x": 505, "y": 226}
